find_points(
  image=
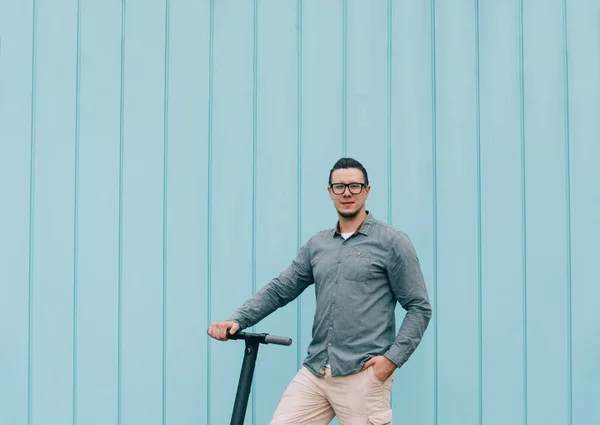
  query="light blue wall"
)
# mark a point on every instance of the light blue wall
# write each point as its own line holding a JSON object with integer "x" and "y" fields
{"x": 161, "y": 162}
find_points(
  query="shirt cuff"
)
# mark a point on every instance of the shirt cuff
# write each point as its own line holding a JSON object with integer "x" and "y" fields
{"x": 396, "y": 355}
{"x": 237, "y": 319}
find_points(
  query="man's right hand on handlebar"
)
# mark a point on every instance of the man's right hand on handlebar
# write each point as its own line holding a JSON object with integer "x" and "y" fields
{"x": 218, "y": 330}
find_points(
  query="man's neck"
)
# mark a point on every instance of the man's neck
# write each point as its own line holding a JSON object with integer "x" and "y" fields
{"x": 349, "y": 225}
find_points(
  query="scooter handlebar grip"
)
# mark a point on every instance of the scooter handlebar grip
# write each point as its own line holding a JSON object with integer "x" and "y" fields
{"x": 279, "y": 340}
{"x": 237, "y": 335}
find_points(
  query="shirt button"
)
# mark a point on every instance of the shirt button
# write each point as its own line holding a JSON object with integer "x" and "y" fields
{"x": 329, "y": 344}
{"x": 332, "y": 301}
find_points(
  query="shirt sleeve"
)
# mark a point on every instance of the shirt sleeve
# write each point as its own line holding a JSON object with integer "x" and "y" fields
{"x": 284, "y": 288}
{"x": 408, "y": 286}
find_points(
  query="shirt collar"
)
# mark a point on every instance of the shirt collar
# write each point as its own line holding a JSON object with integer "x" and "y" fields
{"x": 363, "y": 227}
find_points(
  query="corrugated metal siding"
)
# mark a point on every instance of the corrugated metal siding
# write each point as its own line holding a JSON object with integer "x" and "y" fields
{"x": 160, "y": 162}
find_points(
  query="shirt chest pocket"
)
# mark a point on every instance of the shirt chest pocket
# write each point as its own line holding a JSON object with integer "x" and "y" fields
{"x": 357, "y": 267}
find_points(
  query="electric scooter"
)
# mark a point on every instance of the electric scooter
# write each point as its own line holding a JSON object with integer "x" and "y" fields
{"x": 252, "y": 340}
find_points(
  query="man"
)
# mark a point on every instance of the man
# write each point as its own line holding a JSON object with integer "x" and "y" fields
{"x": 360, "y": 270}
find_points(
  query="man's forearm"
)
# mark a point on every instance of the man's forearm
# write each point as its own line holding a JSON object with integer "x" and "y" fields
{"x": 276, "y": 294}
{"x": 410, "y": 334}
{"x": 255, "y": 309}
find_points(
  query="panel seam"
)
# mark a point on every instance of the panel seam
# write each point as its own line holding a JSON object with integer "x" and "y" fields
{"x": 299, "y": 171}
{"x": 165, "y": 204}
{"x": 254, "y": 171}
{"x": 479, "y": 236}
{"x": 31, "y": 216}
{"x": 344, "y": 76}
{"x": 523, "y": 208}
{"x": 76, "y": 212}
{"x": 209, "y": 207}
{"x": 120, "y": 225}
{"x": 435, "y": 224}
{"x": 389, "y": 110}
{"x": 568, "y": 219}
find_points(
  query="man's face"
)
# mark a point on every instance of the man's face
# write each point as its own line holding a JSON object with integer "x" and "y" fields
{"x": 348, "y": 204}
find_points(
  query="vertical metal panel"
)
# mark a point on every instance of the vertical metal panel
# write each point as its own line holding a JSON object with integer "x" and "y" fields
{"x": 366, "y": 138}
{"x": 457, "y": 184}
{"x": 52, "y": 267}
{"x": 583, "y": 44}
{"x": 16, "y": 104}
{"x": 98, "y": 215}
{"x": 412, "y": 185}
{"x": 322, "y": 98}
{"x": 142, "y": 214}
{"x": 547, "y": 278}
{"x": 185, "y": 344}
{"x": 501, "y": 221}
{"x": 276, "y": 189}
{"x": 232, "y": 186}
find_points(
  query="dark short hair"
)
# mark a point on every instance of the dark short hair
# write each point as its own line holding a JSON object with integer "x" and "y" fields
{"x": 349, "y": 163}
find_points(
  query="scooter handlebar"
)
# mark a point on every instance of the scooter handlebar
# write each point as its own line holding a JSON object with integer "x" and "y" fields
{"x": 279, "y": 340}
{"x": 262, "y": 338}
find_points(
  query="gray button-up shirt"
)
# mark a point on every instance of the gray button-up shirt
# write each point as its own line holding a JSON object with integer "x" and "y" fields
{"x": 357, "y": 284}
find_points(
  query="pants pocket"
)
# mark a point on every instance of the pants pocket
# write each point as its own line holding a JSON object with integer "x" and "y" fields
{"x": 372, "y": 376}
{"x": 381, "y": 418}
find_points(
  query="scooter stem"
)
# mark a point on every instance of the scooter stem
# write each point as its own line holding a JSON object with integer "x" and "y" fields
{"x": 245, "y": 382}
{"x": 252, "y": 341}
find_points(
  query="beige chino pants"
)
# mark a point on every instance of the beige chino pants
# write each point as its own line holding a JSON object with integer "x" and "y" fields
{"x": 355, "y": 399}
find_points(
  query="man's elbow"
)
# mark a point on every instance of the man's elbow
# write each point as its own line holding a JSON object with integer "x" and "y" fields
{"x": 422, "y": 308}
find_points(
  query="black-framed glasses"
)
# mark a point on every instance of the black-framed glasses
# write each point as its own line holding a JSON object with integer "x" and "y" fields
{"x": 340, "y": 188}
